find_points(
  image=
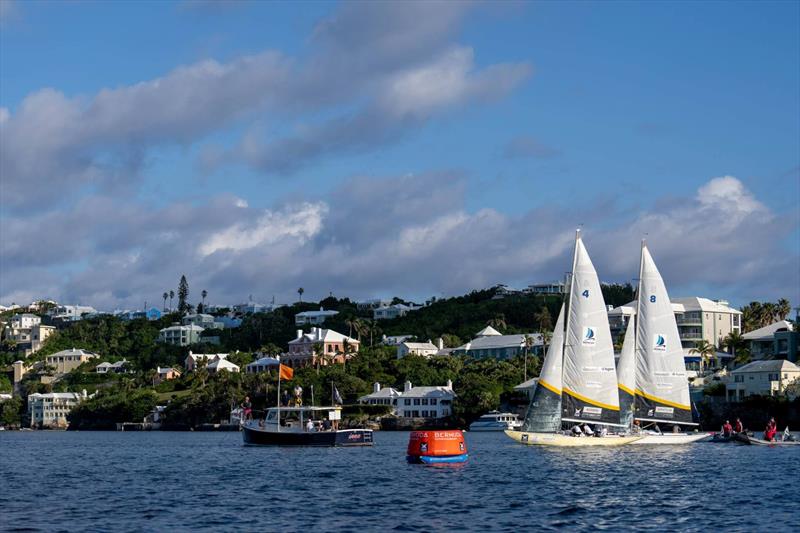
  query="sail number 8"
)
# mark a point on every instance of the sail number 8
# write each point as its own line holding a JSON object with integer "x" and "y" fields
{"x": 653, "y": 299}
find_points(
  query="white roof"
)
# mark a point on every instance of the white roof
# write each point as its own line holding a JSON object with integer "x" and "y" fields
{"x": 221, "y": 364}
{"x": 321, "y": 312}
{"x": 772, "y": 365}
{"x": 199, "y": 356}
{"x": 695, "y": 303}
{"x": 420, "y": 392}
{"x": 103, "y": 365}
{"x": 420, "y": 346}
{"x": 73, "y": 351}
{"x": 58, "y": 395}
{"x": 385, "y": 392}
{"x": 191, "y": 327}
{"x": 488, "y": 330}
{"x": 501, "y": 341}
{"x": 265, "y": 361}
{"x": 767, "y": 332}
{"x": 325, "y": 335}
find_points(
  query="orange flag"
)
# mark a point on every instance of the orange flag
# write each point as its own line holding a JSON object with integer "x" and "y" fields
{"x": 286, "y": 372}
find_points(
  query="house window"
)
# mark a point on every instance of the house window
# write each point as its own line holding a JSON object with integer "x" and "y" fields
{"x": 415, "y": 414}
{"x": 406, "y": 402}
{"x": 416, "y": 401}
{"x": 433, "y": 401}
{"x": 424, "y": 401}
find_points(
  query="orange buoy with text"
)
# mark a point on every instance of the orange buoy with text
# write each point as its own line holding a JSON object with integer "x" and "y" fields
{"x": 438, "y": 446}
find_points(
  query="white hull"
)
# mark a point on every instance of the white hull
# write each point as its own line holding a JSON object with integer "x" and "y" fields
{"x": 673, "y": 438}
{"x": 562, "y": 440}
{"x": 494, "y": 427}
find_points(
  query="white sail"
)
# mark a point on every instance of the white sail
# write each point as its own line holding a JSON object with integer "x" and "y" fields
{"x": 590, "y": 378}
{"x": 544, "y": 411}
{"x": 662, "y": 389}
{"x": 626, "y": 374}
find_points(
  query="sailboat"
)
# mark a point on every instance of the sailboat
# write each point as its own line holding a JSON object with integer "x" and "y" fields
{"x": 578, "y": 382}
{"x": 660, "y": 387}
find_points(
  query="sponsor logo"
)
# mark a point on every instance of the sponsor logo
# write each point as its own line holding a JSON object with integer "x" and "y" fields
{"x": 650, "y": 412}
{"x": 577, "y": 412}
{"x": 592, "y": 412}
{"x": 524, "y": 437}
{"x": 665, "y": 411}
{"x": 660, "y": 345}
{"x": 589, "y": 336}
{"x": 354, "y": 436}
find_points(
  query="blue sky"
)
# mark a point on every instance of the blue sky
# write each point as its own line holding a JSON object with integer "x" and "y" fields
{"x": 381, "y": 149}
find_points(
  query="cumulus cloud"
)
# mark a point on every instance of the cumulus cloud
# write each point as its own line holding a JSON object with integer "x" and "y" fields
{"x": 409, "y": 235}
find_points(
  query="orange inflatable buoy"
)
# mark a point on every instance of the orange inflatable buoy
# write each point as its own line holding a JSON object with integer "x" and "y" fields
{"x": 445, "y": 446}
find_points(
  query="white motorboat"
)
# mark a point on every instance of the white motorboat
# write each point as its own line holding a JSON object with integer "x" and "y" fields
{"x": 496, "y": 421}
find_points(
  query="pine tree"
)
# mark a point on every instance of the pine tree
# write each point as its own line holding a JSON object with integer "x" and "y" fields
{"x": 183, "y": 295}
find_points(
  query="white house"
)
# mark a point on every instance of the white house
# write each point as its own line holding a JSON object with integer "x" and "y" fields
{"x": 395, "y": 340}
{"x": 262, "y": 364}
{"x": 219, "y": 364}
{"x": 425, "y": 349}
{"x": 50, "y": 410}
{"x": 764, "y": 378}
{"x": 193, "y": 359}
{"x": 372, "y": 304}
{"x": 71, "y": 312}
{"x": 114, "y": 368}
{"x": 203, "y": 320}
{"x": 24, "y": 321}
{"x": 491, "y": 343}
{"x": 381, "y": 396}
{"x": 772, "y": 340}
{"x": 426, "y": 402}
{"x": 313, "y": 317}
{"x": 556, "y": 287}
{"x": 393, "y": 311}
{"x": 180, "y": 335}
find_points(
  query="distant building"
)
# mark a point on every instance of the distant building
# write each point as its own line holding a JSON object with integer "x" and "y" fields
{"x": 120, "y": 367}
{"x": 180, "y": 335}
{"x": 262, "y": 364}
{"x": 425, "y": 349}
{"x": 148, "y": 314}
{"x": 373, "y": 304}
{"x": 313, "y": 317}
{"x": 24, "y": 321}
{"x": 395, "y": 340}
{"x": 332, "y": 344}
{"x": 219, "y": 364}
{"x": 426, "y": 402}
{"x": 68, "y": 360}
{"x": 502, "y": 291}
{"x": 763, "y": 378}
{"x": 203, "y": 320}
{"x": 557, "y": 287}
{"x": 166, "y": 374}
{"x": 776, "y": 341}
{"x": 698, "y": 319}
{"x": 249, "y": 308}
{"x": 393, "y": 311}
{"x": 381, "y": 396}
{"x": 193, "y": 360}
{"x": 71, "y": 312}
{"x": 28, "y": 332}
{"x": 50, "y": 410}
{"x": 491, "y": 343}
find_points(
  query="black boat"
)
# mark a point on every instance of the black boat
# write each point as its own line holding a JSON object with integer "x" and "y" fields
{"x": 303, "y": 426}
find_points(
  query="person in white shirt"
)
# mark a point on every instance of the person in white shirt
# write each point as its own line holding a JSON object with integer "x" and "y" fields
{"x": 310, "y": 425}
{"x": 587, "y": 430}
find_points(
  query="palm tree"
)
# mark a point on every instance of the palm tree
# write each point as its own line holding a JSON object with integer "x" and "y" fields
{"x": 350, "y": 323}
{"x": 318, "y": 350}
{"x": 165, "y": 295}
{"x": 783, "y": 309}
{"x": 361, "y": 328}
{"x": 528, "y": 343}
{"x": 300, "y": 292}
{"x": 743, "y": 356}
{"x": 204, "y": 294}
{"x": 705, "y": 350}
{"x": 171, "y": 296}
{"x": 498, "y": 322}
{"x": 733, "y": 342}
{"x": 544, "y": 319}
{"x": 347, "y": 349}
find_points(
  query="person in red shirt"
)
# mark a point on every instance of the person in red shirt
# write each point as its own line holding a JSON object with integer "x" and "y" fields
{"x": 727, "y": 429}
{"x": 738, "y": 427}
{"x": 769, "y": 433}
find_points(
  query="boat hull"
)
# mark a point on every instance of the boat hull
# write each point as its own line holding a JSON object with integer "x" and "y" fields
{"x": 499, "y": 427}
{"x": 344, "y": 437}
{"x": 673, "y": 438}
{"x": 741, "y": 438}
{"x": 437, "y": 459}
{"x": 556, "y": 439}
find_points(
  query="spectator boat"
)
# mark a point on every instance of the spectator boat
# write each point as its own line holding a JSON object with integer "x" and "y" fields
{"x": 303, "y": 426}
{"x": 496, "y": 421}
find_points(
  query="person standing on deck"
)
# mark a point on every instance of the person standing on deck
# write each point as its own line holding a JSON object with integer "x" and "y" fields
{"x": 727, "y": 429}
{"x": 738, "y": 427}
{"x": 769, "y": 432}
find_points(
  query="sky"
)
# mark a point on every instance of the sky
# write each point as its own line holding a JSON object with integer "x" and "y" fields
{"x": 378, "y": 149}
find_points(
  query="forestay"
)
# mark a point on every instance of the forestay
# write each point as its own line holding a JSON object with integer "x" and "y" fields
{"x": 662, "y": 390}
{"x": 590, "y": 378}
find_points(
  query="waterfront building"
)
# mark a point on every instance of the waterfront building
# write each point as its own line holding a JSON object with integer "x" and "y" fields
{"x": 426, "y": 402}
{"x": 50, "y": 410}
{"x": 262, "y": 364}
{"x": 180, "y": 335}
{"x": 313, "y": 317}
{"x": 381, "y": 396}
{"x": 762, "y": 378}
{"x": 193, "y": 360}
{"x": 166, "y": 374}
{"x": 491, "y": 343}
{"x": 393, "y": 311}
{"x": 120, "y": 367}
{"x": 331, "y": 345}
{"x": 203, "y": 320}
{"x": 697, "y": 318}
{"x": 425, "y": 349}
{"x": 775, "y": 341}
{"x": 68, "y": 360}
{"x": 219, "y": 364}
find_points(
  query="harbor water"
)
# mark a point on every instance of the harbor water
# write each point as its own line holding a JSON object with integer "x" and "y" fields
{"x": 149, "y": 481}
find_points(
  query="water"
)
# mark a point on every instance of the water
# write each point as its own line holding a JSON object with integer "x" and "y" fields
{"x": 208, "y": 481}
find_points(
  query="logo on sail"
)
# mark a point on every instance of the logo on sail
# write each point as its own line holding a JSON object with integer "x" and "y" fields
{"x": 660, "y": 344}
{"x": 588, "y": 335}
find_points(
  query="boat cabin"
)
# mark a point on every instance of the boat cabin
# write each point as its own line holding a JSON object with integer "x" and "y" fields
{"x": 301, "y": 419}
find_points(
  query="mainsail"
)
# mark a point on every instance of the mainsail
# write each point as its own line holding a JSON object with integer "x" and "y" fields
{"x": 626, "y": 374}
{"x": 544, "y": 411}
{"x": 662, "y": 390}
{"x": 590, "y": 378}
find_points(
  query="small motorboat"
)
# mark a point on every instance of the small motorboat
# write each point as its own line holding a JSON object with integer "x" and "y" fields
{"x": 303, "y": 426}
{"x": 437, "y": 447}
{"x": 496, "y": 421}
{"x": 744, "y": 438}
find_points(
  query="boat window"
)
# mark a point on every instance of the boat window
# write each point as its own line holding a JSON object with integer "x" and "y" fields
{"x": 271, "y": 415}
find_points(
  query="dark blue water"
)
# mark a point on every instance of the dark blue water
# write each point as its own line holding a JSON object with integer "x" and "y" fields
{"x": 209, "y": 481}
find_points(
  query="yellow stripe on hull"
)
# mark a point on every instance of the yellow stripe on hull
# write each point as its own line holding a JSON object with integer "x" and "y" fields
{"x": 558, "y": 439}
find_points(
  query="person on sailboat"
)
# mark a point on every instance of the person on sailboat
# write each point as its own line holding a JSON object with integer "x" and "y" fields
{"x": 576, "y": 431}
{"x": 727, "y": 429}
{"x": 587, "y": 430}
{"x": 738, "y": 427}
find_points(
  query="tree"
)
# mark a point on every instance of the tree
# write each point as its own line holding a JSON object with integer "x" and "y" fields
{"x": 705, "y": 350}
{"x": 734, "y": 342}
{"x": 783, "y": 308}
{"x": 498, "y": 322}
{"x": 300, "y": 292}
{"x": 544, "y": 320}
{"x": 204, "y": 293}
{"x": 183, "y": 295}
{"x": 528, "y": 343}
{"x": 171, "y": 296}
{"x": 165, "y": 295}
{"x": 350, "y": 323}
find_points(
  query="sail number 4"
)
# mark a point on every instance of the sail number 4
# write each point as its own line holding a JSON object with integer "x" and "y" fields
{"x": 585, "y": 293}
